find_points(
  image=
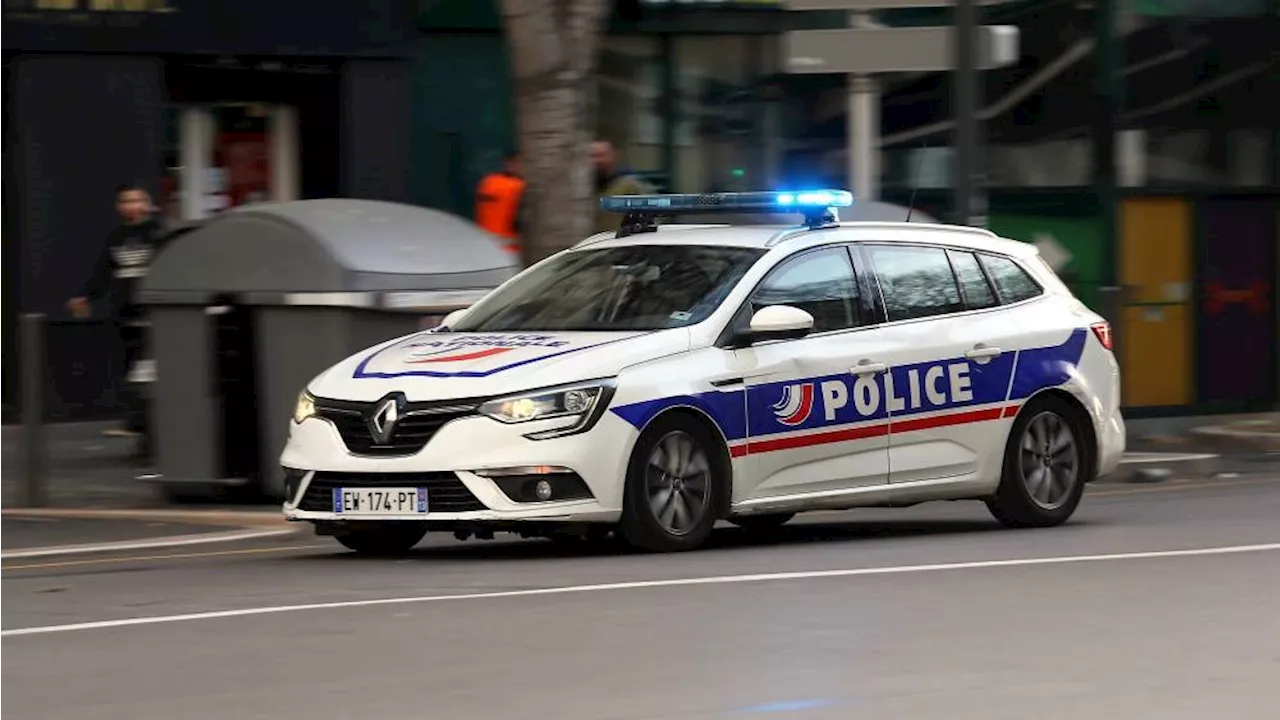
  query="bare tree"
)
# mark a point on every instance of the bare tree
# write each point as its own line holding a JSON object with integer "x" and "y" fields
{"x": 554, "y": 49}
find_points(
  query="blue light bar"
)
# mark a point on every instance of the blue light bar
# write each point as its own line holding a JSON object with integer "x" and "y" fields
{"x": 800, "y": 201}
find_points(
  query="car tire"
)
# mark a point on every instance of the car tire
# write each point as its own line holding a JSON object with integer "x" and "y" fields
{"x": 675, "y": 482}
{"x": 383, "y": 538}
{"x": 1047, "y": 463}
{"x": 762, "y": 522}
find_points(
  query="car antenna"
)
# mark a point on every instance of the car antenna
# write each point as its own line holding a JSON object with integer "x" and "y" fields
{"x": 915, "y": 182}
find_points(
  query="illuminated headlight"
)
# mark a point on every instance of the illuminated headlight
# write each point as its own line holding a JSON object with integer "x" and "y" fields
{"x": 579, "y": 406}
{"x": 305, "y": 407}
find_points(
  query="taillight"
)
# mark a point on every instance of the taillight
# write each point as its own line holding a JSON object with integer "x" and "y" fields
{"x": 1102, "y": 331}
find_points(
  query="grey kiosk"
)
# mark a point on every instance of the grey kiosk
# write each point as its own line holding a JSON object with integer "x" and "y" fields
{"x": 249, "y": 306}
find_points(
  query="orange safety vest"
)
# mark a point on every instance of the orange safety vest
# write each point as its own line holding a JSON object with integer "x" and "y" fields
{"x": 497, "y": 204}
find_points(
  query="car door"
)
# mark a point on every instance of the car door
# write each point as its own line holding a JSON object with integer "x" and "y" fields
{"x": 811, "y": 425}
{"x": 952, "y": 353}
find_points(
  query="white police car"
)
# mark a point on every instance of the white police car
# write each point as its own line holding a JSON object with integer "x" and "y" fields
{"x": 670, "y": 376}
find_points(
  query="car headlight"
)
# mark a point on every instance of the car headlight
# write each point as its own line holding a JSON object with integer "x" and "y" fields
{"x": 305, "y": 407}
{"x": 580, "y": 406}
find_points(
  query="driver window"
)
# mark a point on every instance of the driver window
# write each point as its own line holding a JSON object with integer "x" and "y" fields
{"x": 820, "y": 282}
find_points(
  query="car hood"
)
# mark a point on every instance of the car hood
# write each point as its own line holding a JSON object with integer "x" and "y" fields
{"x": 446, "y": 365}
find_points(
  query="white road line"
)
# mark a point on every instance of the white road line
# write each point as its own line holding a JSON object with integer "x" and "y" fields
{"x": 159, "y": 542}
{"x": 638, "y": 585}
{"x": 1137, "y": 458}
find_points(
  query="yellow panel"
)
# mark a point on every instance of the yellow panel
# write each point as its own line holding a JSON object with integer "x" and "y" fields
{"x": 1155, "y": 249}
{"x": 1155, "y": 356}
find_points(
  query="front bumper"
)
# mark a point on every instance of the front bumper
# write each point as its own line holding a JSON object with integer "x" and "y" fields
{"x": 448, "y": 463}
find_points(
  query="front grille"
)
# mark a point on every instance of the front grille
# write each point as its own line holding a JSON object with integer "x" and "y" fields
{"x": 445, "y": 492}
{"x": 418, "y": 425}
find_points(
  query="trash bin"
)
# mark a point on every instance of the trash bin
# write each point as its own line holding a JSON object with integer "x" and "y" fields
{"x": 251, "y": 305}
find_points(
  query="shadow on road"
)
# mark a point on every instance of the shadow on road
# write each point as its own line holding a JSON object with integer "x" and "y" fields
{"x": 722, "y": 540}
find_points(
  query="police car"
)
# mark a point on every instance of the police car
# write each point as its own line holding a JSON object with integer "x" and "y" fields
{"x": 659, "y": 379}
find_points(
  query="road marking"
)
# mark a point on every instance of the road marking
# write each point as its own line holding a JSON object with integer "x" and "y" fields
{"x": 175, "y": 556}
{"x": 160, "y": 542}
{"x": 1181, "y": 485}
{"x": 636, "y": 585}
{"x": 1159, "y": 457}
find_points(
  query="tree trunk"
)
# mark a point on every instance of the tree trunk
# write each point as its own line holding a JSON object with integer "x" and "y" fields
{"x": 553, "y": 48}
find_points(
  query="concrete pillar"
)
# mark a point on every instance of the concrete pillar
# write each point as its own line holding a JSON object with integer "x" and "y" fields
{"x": 1131, "y": 157}
{"x": 195, "y": 150}
{"x": 282, "y": 131}
{"x": 864, "y": 137}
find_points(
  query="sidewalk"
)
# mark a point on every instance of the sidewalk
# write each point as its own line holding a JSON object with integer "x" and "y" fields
{"x": 86, "y": 468}
{"x": 21, "y": 533}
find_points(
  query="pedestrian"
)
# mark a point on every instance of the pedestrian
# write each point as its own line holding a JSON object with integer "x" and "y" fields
{"x": 123, "y": 261}
{"x": 500, "y": 203}
{"x": 612, "y": 179}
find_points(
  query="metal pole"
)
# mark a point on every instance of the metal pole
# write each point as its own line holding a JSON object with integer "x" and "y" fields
{"x": 969, "y": 197}
{"x": 35, "y": 460}
{"x": 864, "y": 137}
{"x": 1107, "y": 109}
{"x": 864, "y": 125}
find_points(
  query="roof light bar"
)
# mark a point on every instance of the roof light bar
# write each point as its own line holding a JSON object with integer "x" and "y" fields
{"x": 641, "y": 210}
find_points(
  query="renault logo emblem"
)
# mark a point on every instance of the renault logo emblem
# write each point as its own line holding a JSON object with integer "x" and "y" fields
{"x": 382, "y": 423}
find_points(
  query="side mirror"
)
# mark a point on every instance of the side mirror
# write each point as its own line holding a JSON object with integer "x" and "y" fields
{"x": 452, "y": 318}
{"x": 778, "y": 322}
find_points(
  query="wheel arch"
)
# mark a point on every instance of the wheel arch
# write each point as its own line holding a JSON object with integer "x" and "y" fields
{"x": 701, "y": 417}
{"x": 1083, "y": 420}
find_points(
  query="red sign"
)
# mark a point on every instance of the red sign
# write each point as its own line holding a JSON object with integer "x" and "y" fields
{"x": 1217, "y": 297}
{"x": 246, "y": 157}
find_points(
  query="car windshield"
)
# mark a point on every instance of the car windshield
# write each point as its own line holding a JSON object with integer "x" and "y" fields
{"x": 636, "y": 287}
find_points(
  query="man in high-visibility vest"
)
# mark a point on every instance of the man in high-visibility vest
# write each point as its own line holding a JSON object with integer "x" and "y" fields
{"x": 499, "y": 203}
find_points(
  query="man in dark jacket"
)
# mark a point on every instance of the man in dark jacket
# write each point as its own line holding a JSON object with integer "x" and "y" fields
{"x": 121, "y": 265}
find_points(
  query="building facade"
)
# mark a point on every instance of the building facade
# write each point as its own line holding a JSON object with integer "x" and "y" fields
{"x": 207, "y": 103}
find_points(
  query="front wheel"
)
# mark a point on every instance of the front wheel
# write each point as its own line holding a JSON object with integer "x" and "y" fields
{"x": 674, "y": 485}
{"x": 383, "y": 538}
{"x": 1046, "y": 466}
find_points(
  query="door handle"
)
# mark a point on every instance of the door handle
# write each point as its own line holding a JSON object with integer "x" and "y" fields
{"x": 982, "y": 352}
{"x": 865, "y": 367}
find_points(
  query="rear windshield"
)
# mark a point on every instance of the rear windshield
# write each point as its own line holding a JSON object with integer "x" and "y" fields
{"x": 636, "y": 287}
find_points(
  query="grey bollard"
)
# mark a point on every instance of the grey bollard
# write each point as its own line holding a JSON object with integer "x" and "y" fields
{"x": 35, "y": 450}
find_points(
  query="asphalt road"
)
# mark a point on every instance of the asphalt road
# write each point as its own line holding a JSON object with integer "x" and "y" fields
{"x": 927, "y": 612}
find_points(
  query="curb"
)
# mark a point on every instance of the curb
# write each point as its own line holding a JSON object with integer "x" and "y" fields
{"x": 1142, "y": 467}
{"x": 1235, "y": 439}
{"x": 150, "y": 543}
{"x": 219, "y": 518}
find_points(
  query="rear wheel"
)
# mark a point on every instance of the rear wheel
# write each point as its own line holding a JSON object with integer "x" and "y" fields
{"x": 674, "y": 484}
{"x": 383, "y": 538}
{"x": 1046, "y": 466}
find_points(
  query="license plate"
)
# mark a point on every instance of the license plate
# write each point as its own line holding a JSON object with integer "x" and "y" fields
{"x": 380, "y": 501}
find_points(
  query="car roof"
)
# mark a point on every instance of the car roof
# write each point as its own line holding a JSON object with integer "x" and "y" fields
{"x": 767, "y": 237}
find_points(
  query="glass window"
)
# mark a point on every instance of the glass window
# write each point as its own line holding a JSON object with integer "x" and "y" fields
{"x": 637, "y": 287}
{"x": 915, "y": 282}
{"x": 821, "y": 283}
{"x": 1011, "y": 280}
{"x": 726, "y": 130}
{"x": 977, "y": 291}
{"x": 628, "y": 101}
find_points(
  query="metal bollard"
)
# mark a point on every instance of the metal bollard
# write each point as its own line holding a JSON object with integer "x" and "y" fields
{"x": 35, "y": 449}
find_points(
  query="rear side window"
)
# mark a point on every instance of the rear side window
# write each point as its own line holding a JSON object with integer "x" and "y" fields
{"x": 916, "y": 282}
{"x": 977, "y": 291}
{"x": 1013, "y": 283}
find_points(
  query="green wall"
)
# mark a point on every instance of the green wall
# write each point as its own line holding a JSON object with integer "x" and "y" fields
{"x": 462, "y": 117}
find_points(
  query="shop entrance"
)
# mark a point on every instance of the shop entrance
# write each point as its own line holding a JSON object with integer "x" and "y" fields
{"x": 242, "y": 131}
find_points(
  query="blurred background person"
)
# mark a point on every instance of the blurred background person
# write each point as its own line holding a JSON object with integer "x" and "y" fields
{"x": 612, "y": 179}
{"x": 500, "y": 203}
{"x": 122, "y": 263}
